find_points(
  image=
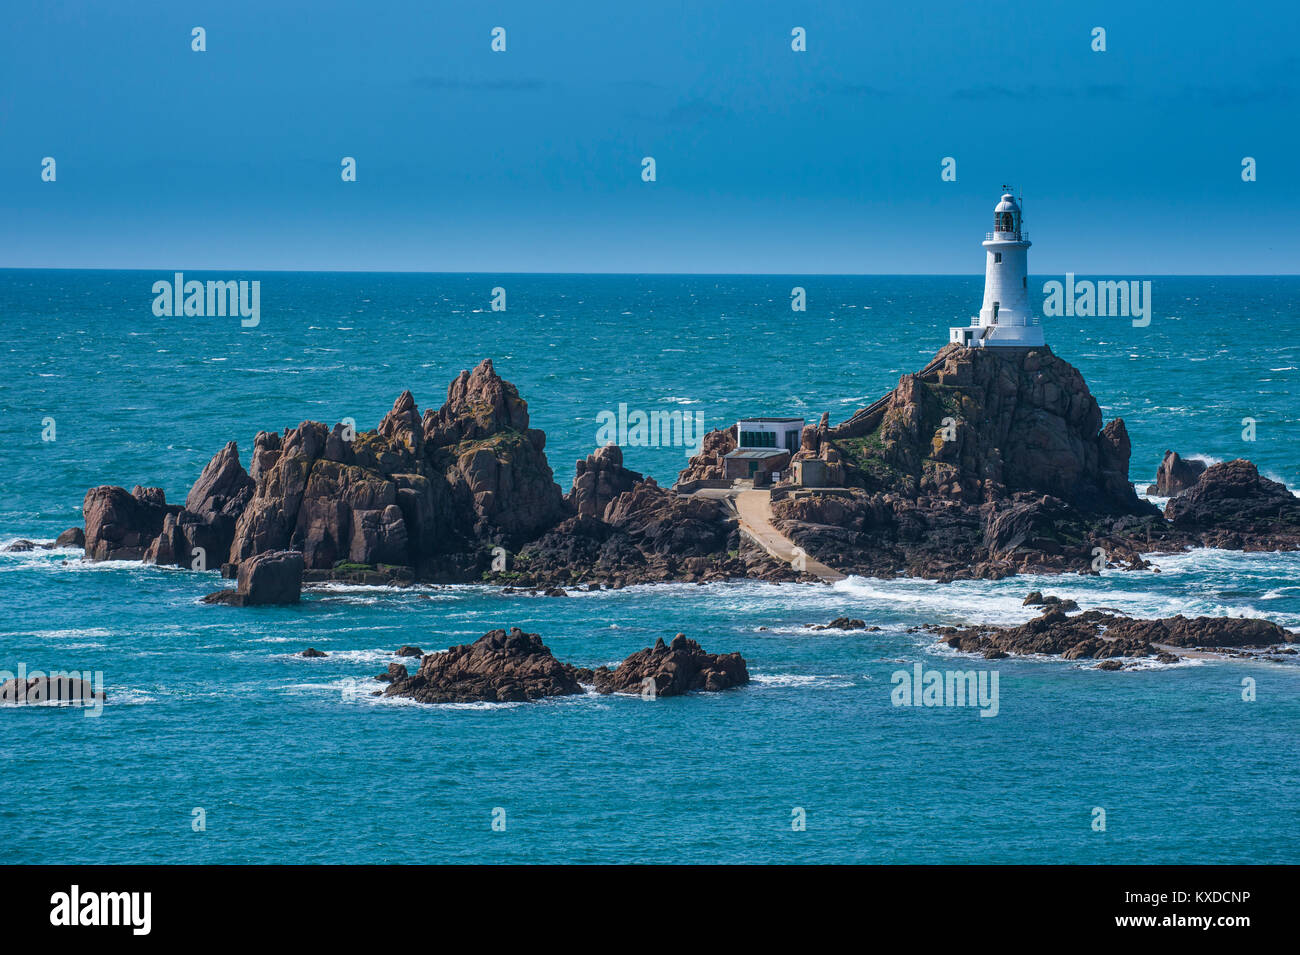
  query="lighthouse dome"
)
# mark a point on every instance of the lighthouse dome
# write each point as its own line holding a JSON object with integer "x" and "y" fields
{"x": 1006, "y": 217}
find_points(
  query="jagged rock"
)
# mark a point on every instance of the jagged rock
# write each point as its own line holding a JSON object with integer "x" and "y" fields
{"x": 1231, "y": 505}
{"x": 1175, "y": 475}
{"x": 1022, "y": 478}
{"x": 121, "y": 526}
{"x": 313, "y": 652}
{"x": 269, "y": 520}
{"x": 394, "y": 673}
{"x": 1022, "y": 420}
{"x": 599, "y": 480}
{"x": 212, "y": 508}
{"x": 648, "y": 534}
{"x": 988, "y": 463}
{"x": 674, "y": 669}
{"x": 707, "y": 465}
{"x": 20, "y": 546}
{"x": 498, "y": 667}
{"x": 72, "y": 537}
{"x": 1098, "y": 635}
{"x": 274, "y": 577}
{"x": 1210, "y": 632}
{"x": 410, "y": 651}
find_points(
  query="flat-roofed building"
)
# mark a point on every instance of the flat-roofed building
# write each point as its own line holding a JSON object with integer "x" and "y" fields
{"x": 763, "y": 446}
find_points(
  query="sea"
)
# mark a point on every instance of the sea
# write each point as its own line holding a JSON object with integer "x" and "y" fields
{"x": 219, "y": 743}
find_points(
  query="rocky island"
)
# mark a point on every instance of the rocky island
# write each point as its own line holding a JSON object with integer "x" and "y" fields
{"x": 986, "y": 463}
{"x": 1117, "y": 639}
{"x": 509, "y": 667}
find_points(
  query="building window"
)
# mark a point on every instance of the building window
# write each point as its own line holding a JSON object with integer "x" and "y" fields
{"x": 997, "y": 256}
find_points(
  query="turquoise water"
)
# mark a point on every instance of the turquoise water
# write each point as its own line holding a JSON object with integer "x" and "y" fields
{"x": 292, "y": 760}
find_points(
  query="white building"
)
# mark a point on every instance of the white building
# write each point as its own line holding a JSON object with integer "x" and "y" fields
{"x": 764, "y": 446}
{"x": 755, "y": 433}
{"x": 1006, "y": 318}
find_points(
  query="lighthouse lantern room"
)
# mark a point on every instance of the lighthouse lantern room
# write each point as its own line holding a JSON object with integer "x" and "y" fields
{"x": 1005, "y": 319}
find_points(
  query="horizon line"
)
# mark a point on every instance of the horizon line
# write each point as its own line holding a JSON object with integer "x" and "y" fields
{"x": 100, "y": 268}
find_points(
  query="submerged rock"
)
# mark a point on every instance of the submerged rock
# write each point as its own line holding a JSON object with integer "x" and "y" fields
{"x": 840, "y": 623}
{"x": 48, "y": 688}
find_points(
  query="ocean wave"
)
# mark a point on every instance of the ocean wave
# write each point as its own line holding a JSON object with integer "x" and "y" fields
{"x": 377, "y": 657}
{"x": 803, "y": 680}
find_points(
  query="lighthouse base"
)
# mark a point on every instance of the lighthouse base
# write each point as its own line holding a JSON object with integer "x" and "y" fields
{"x": 997, "y": 336}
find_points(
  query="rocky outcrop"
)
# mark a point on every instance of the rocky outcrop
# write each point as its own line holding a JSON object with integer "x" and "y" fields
{"x": 1099, "y": 635}
{"x": 987, "y": 463}
{"x": 434, "y": 493}
{"x": 600, "y": 479}
{"x": 1231, "y": 505}
{"x": 498, "y": 667}
{"x": 122, "y": 526}
{"x": 707, "y": 464}
{"x": 494, "y": 459}
{"x": 673, "y": 669}
{"x": 987, "y": 423}
{"x": 1175, "y": 475}
{"x": 647, "y": 535}
{"x": 72, "y": 537}
{"x": 395, "y": 673}
{"x": 274, "y": 577}
{"x": 214, "y": 505}
{"x": 991, "y": 462}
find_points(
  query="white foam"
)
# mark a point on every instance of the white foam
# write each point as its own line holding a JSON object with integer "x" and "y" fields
{"x": 830, "y": 682}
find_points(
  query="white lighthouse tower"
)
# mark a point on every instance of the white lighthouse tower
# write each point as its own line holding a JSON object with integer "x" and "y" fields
{"x": 1005, "y": 319}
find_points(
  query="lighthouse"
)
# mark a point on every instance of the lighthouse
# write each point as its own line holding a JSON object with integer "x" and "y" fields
{"x": 1005, "y": 319}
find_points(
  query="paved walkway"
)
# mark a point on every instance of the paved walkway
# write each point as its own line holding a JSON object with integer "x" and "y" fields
{"x": 755, "y": 511}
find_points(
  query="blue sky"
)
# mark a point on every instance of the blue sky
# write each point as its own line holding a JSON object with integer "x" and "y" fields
{"x": 530, "y": 160}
